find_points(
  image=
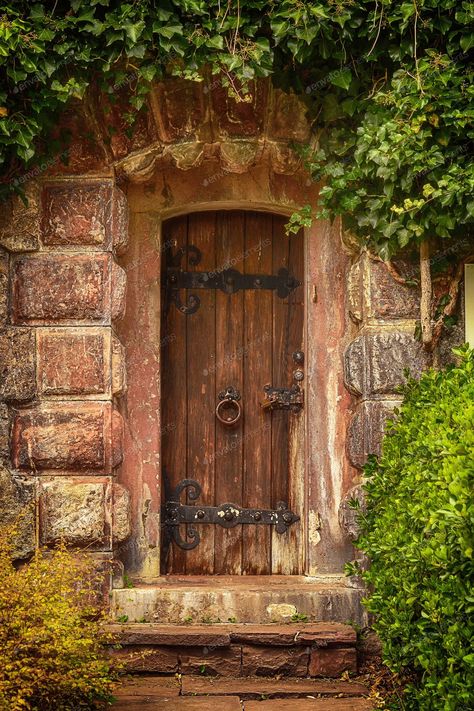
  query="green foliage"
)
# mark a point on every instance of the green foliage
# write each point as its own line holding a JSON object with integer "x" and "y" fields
{"x": 51, "y": 634}
{"x": 418, "y": 532}
{"x": 388, "y": 84}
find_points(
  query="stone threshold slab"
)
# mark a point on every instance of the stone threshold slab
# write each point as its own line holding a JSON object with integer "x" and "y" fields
{"x": 309, "y": 705}
{"x": 320, "y": 634}
{"x": 248, "y": 599}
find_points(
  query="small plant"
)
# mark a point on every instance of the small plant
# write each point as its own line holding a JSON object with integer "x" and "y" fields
{"x": 187, "y": 620}
{"x": 127, "y": 581}
{"x": 202, "y": 669}
{"x": 52, "y": 636}
{"x": 232, "y": 620}
{"x": 122, "y": 619}
{"x": 299, "y": 617}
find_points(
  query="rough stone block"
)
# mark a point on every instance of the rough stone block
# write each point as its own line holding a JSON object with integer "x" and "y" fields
{"x": 121, "y": 516}
{"x": 269, "y": 661}
{"x": 17, "y": 364}
{"x": 355, "y": 290}
{"x": 67, "y": 437}
{"x": 366, "y": 430}
{"x": 86, "y": 213}
{"x": 17, "y": 509}
{"x": 332, "y": 662}
{"x": 374, "y": 363}
{"x": 161, "y": 660}
{"x": 348, "y": 516}
{"x": 19, "y": 223}
{"x": 387, "y": 298}
{"x": 119, "y": 374}
{"x": 4, "y": 287}
{"x": 74, "y": 362}
{"x": 5, "y": 422}
{"x": 73, "y": 511}
{"x": 62, "y": 288}
{"x": 210, "y": 661}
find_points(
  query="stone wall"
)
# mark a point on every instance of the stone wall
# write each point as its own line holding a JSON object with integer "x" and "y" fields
{"x": 62, "y": 364}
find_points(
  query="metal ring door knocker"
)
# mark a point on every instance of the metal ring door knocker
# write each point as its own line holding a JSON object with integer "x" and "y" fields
{"x": 229, "y": 409}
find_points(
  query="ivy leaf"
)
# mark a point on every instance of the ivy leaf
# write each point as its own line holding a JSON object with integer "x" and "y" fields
{"x": 341, "y": 78}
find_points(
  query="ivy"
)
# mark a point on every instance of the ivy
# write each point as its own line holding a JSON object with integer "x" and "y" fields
{"x": 389, "y": 86}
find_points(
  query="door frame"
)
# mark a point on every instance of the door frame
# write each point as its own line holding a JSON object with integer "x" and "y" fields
{"x": 327, "y": 330}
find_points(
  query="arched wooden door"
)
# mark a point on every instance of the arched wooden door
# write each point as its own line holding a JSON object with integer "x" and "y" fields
{"x": 232, "y": 323}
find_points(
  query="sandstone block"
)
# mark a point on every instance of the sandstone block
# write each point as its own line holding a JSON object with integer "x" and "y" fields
{"x": 74, "y": 362}
{"x": 366, "y": 430}
{"x": 332, "y": 662}
{"x": 161, "y": 660}
{"x": 17, "y": 364}
{"x": 374, "y": 363}
{"x": 67, "y": 437}
{"x": 17, "y": 509}
{"x": 348, "y": 516}
{"x": 4, "y": 287}
{"x": 5, "y": 422}
{"x": 387, "y": 298}
{"x": 121, "y": 516}
{"x": 73, "y": 511}
{"x": 210, "y": 661}
{"x": 269, "y": 661}
{"x": 19, "y": 223}
{"x": 119, "y": 374}
{"x": 62, "y": 288}
{"x": 86, "y": 213}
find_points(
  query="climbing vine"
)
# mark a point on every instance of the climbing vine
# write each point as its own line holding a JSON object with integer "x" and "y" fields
{"x": 389, "y": 86}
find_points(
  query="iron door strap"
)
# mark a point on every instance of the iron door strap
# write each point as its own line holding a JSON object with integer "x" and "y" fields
{"x": 226, "y": 515}
{"x": 227, "y": 280}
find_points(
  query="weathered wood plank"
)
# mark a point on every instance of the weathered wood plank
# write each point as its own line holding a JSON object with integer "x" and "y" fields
{"x": 258, "y": 371}
{"x": 201, "y": 390}
{"x": 229, "y": 372}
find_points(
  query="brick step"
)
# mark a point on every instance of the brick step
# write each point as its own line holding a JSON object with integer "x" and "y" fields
{"x": 197, "y": 694}
{"x": 296, "y": 650}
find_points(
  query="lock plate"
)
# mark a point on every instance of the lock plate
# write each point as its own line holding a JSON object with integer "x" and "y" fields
{"x": 226, "y": 515}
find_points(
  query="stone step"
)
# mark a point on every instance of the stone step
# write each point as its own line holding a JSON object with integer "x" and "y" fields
{"x": 245, "y": 599}
{"x": 322, "y": 634}
{"x": 256, "y": 688}
{"x": 196, "y": 694}
{"x": 297, "y": 650}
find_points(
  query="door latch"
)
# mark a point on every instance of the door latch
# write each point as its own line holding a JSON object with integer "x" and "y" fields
{"x": 291, "y": 398}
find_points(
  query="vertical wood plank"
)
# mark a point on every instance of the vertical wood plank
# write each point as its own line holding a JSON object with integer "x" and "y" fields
{"x": 288, "y": 427}
{"x": 201, "y": 391}
{"x": 257, "y": 372}
{"x": 229, "y": 371}
{"x": 173, "y": 409}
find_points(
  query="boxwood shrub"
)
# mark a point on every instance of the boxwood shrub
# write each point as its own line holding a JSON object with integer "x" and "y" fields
{"x": 418, "y": 533}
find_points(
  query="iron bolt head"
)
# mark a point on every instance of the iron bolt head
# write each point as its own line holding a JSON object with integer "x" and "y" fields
{"x": 200, "y": 513}
{"x": 228, "y": 515}
{"x": 287, "y": 518}
{"x": 257, "y": 516}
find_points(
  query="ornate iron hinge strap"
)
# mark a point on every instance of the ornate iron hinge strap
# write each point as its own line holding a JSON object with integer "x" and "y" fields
{"x": 225, "y": 515}
{"x": 227, "y": 280}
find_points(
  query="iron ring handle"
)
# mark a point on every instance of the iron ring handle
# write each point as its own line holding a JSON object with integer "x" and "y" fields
{"x": 222, "y": 405}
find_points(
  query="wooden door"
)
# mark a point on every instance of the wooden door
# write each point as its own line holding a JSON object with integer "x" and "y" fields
{"x": 244, "y": 339}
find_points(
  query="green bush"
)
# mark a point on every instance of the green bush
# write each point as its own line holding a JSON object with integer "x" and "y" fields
{"x": 418, "y": 534}
{"x": 51, "y": 633}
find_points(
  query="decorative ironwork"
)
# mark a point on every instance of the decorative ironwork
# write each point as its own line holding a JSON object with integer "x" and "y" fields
{"x": 227, "y": 280}
{"x": 283, "y": 398}
{"x": 229, "y": 409}
{"x": 225, "y": 515}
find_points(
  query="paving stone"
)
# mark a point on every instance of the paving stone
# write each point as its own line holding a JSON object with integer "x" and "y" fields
{"x": 310, "y": 704}
{"x": 147, "y": 686}
{"x": 225, "y": 703}
{"x": 210, "y": 661}
{"x": 332, "y": 662}
{"x": 175, "y": 635}
{"x": 327, "y": 633}
{"x": 272, "y": 688}
{"x": 268, "y": 661}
